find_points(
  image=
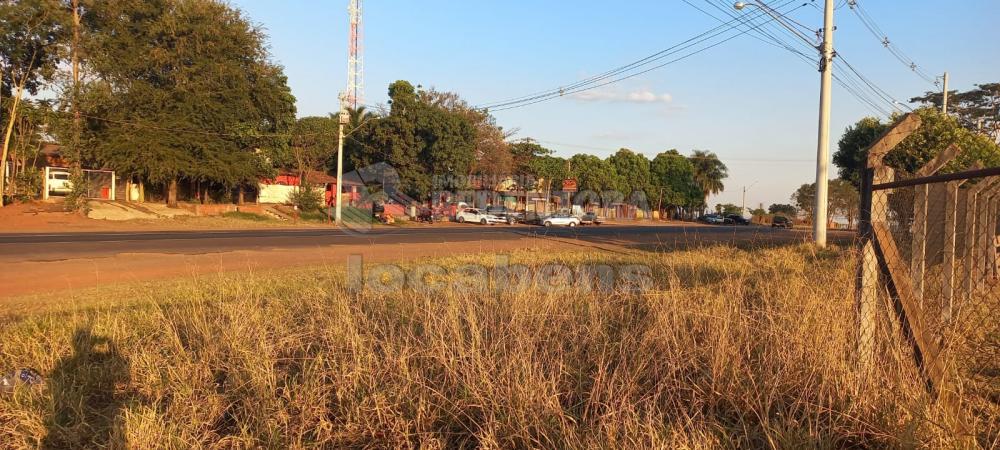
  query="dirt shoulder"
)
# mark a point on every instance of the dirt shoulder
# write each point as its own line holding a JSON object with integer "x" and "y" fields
{"x": 46, "y": 277}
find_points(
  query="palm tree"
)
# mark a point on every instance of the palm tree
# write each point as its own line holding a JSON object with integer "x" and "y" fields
{"x": 709, "y": 172}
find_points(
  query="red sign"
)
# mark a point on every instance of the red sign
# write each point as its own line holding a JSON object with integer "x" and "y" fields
{"x": 569, "y": 185}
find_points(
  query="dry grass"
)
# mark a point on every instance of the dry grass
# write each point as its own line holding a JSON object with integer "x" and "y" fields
{"x": 731, "y": 348}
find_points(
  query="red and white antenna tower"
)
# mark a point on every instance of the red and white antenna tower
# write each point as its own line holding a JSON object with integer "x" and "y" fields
{"x": 354, "y": 61}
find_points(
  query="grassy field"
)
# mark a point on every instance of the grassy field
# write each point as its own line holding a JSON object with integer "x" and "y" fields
{"x": 726, "y": 348}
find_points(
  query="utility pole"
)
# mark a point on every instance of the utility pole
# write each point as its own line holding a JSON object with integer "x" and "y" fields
{"x": 343, "y": 117}
{"x": 76, "y": 86}
{"x": 944, "y": 95}
{"x": 743, "y": 206}
{"x": 826, "y": 83}
{"x": 823, "y": 146}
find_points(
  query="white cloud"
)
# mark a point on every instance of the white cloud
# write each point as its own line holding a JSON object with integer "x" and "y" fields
{"x": 637, "y": 96}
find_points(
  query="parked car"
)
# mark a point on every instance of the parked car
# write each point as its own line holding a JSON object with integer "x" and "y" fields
{"x": 506, "y": 215}
{"x": 737, "y": 219}
{"x": 712, "y": 219}
{"x": 59, "y": 182}
{"x": 781, "y": 222}
{"x": 561, "y": 220}
{"x": 477, "y": 216}
{"x": 590, "y": 219}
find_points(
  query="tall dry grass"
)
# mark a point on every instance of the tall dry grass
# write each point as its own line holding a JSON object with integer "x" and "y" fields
{"x": 731, "y": 348}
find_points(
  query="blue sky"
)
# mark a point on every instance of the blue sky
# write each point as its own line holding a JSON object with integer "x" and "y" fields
{"x": 753, "y": 104}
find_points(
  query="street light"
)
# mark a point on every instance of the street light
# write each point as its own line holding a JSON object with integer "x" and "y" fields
{"x": 826, "y": 80}
{"x": 743, "y": 209}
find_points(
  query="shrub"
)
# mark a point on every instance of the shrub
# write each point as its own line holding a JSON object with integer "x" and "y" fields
{"x": 76, "y": 199}
{"x": 27, "y": 185}
{"x": 306, "y": 199}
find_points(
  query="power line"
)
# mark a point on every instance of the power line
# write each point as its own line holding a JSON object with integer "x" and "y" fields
{"x": 869, "y": 23}
{"x": 850, "y": 85}
{"x": 755, "y": 160}
{"x": 596, "y": 81}
{"x": 635, "y": 74}
{"x": 213, "y": 133}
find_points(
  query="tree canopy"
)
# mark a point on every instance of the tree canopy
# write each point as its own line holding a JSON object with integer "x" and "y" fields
{"x": 976, "y": 109}
{"x": 783, "y": 209}
{"x": 182, "y": 89}
{"x": 672, "y": 181}
{"x": 935, "y": 134}
{"x": 709, "y": 172}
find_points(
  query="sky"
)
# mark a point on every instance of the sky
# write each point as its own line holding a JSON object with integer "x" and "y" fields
{"x": 753, "y": 104}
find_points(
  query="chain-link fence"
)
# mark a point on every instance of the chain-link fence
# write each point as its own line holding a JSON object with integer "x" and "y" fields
{"x": 928, "y": 287}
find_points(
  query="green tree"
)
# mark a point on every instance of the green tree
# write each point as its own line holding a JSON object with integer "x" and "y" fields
{"x": 976, "y": 109}
{"x": 709, "y": 172}
{"x": 842, "y": 199}
{"x": 30, "y": 34}
{"x": 851, "y": 154}
{"x": 547, "y": 170}
{"x": 783, "y": 209}
{"x": 728, "y": 208}
{"x": 936, "y": 133}
{"x": 632, "y": 170}
{"x": 420, "y": 137}
{"x": 314, "y": 143}
{"x": 804, "y": 199}
{"x": 672, "y": 179}
{"x": 523, "y": 152}
{"x": 183, "y": 90}
{"x": 594, "y": 174}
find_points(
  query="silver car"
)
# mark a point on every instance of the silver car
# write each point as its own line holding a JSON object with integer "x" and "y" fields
{"x": 561, "y": 220}
{"x": 477, "y": 216}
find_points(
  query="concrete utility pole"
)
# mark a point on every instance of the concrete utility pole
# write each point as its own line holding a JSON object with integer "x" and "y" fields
{"x": 343, "y": 117}
{"x": 944, "y": 95}
{"x": 823, "y": 146}
{"x": 743, "y": 207}
{"x": 820, "y": 215}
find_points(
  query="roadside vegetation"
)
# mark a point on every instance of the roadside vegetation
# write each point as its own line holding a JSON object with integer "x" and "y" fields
{"x": 241, "y": 215}
{"x": 742, "y": 348}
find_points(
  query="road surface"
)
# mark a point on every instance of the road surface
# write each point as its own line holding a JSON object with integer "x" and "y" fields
{"x": 62, "y": 246}
{"x": 41, "y": 263}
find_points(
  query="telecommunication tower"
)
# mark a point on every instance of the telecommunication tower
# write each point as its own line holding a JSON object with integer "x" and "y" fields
{"x": 354, "y": 60}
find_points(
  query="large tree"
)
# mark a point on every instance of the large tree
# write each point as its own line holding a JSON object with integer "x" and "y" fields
{"x": 523, "y": 152}
{"x": 672, "y": 181}
{"x": 936, "y": 133}
{"x": 31, "y": 32}
{"x": 783, "y": 209}
{"x": 842, "y": 199}
{"x": 183, "y": 89}
{"x": 314, "y": 143}
{"x": 421, "y": 137}
{"x": 709, "y": 172}
{"x": 976, "y": 109}
{"x": 594, "y": 174}
{"x": 633, "y": 172}
{"x": 491, "y": 151}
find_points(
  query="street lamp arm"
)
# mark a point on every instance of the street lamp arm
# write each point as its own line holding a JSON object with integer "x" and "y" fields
{"x": 777, "y": 17}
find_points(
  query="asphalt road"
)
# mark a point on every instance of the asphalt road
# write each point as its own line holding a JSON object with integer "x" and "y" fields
{"x": 62, "y": 246}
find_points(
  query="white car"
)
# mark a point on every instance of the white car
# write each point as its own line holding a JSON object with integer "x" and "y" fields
{"x": 476, "y": 216}
{"x": 561, "y": 220}
{"x": 59, "y": 182}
